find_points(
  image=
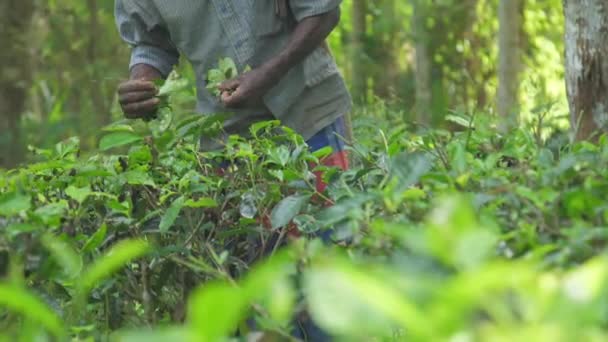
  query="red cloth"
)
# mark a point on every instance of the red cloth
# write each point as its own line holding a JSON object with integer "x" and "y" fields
{"x": 339, "y": 160}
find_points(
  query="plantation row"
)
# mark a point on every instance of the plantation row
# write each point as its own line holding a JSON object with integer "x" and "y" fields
{"x": 435, "y": 235}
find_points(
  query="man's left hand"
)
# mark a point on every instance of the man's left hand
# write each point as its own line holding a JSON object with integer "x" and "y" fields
{"x": 248, "y": 89}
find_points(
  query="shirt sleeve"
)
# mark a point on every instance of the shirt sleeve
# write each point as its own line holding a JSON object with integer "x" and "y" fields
{"x": 142, "y": 28}
{"x": 302, "y": 9}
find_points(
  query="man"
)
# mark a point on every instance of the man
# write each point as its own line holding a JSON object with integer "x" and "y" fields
{"x": 294, "y": 78}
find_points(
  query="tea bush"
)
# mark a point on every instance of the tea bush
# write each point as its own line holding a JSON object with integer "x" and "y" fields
{"x": 459, "y": 235}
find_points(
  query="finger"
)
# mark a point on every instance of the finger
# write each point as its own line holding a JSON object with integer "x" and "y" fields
{"x": 136, "y": 115}
{"x": 135, "y": 86}
{"x": 233, "y": 100}
{"x": 146, "y": 116}
{"x": 145, "y": 107}
{"x": 225, "y": 96}
{"x": 137, "y": 96}
{"x": 229, "y": 85}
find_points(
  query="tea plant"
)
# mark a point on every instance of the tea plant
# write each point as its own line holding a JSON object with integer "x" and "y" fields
{"x": 435, "y": 235}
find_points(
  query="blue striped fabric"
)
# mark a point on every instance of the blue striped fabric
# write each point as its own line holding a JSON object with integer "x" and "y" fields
{"x": 332, "y": 136}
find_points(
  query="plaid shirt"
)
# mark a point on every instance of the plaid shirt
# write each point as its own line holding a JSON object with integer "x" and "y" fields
{"x": 248, "y": 31}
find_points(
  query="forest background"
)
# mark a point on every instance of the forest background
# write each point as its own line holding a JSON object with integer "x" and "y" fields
{"x": 62, "y": 61}
{"x": 470, "y": 211}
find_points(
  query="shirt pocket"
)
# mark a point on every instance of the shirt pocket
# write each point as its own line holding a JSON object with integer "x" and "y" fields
{"x": 269, "y": 20}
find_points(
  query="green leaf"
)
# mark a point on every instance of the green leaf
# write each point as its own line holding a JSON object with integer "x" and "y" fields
{"x": 264, "y": 126}
{"x": 172, "y": 86}
{"x": 586, "y": 283}
{"x": 247, "y": 207}
{"x": 216, "y": 310}
{"x": 18, "y": 300}
{"x": 171, "y": 215}
{"x": 347, "y": 301}
{"x": 228, "y": 67}
{"x": 52, "y": 213}
{"x": 284, "y": 212}
{"x": 280, "y": 155}
{"x": 14, "y": 203}
{"x": 414, "y": 194}
{"x": 137, "y": 177}
{"x": 270, "y": 284}
{"x": 79, "y": 194}
{"x": 323, "y": 152}
{"x": 215, "y": 76}
{"x": 118, "y": 139}
{"x": 408, "y": 168}
{"x": 64, "y": 255}
{"x": 459, "y": 120}
{"x": 455, "y": 237}
{"x": 118, "y": 257}
{"x": 20, "y": 228}
{"x": 118, "y": 128}
{"x": 96, "y": 239}
{"x": 201, "y": 203}
{"x": 140, "y": 155}
{"x": 214, "y": 79}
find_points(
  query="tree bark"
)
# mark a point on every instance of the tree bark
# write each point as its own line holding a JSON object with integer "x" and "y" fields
{"x": 359, "y": 22}
{"x": 586, "y": 43}
{"x": 509, "y": 39}
{"x": 15, "y": 75}
{"x": 423, "y": 65}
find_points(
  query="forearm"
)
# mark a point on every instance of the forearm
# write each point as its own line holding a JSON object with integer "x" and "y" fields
{"x": 145, "y": 72}
{"x": 308, "y": 35}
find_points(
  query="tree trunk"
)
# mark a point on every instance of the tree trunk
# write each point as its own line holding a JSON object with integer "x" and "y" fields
{"x": 100, "y": 104}
{"x": 509, "y": 36}
{"x": 587, "y": 65}
{"x": 383, "y": 51}
{"x": 359, "y": 17}
{"x": 422, "y": 70}
{"x": 15, "y": 75}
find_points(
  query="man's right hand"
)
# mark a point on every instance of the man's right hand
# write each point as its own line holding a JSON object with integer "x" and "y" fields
{"x": 137, "y": 97}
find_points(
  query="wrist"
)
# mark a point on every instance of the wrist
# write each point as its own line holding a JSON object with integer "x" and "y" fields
{"x": 275, "y": 69}
{"x": 145, "y": 72}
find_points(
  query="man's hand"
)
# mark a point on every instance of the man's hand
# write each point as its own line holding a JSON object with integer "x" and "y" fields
{"x": 137, "y": 97}
{"x": 248, "y": 89}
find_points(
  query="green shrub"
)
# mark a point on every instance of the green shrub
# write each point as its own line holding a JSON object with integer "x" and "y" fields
{"x": 439, "y": 235}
